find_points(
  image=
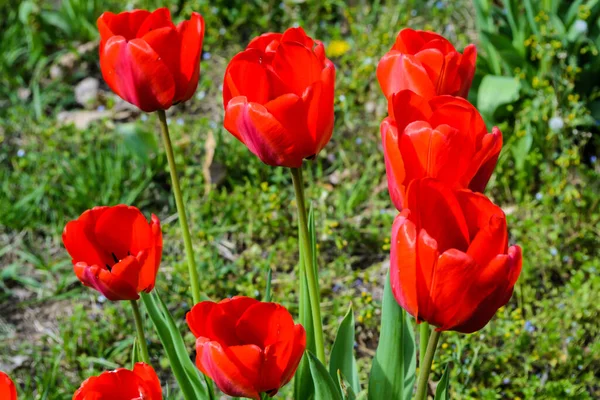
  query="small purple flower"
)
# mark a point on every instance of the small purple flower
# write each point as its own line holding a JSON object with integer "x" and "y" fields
{"x": 529, "y": 327}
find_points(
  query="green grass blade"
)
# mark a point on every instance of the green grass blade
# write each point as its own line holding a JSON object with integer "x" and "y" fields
{"x": 325, "y": 387}
{"x": 442, "y": 392}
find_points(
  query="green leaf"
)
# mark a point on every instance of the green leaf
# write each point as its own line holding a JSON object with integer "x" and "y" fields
{"x": 442, "y": 392}
{"x": 138, "y": 141}
{"x": 192, "y": 384}
{"x": 303, "y": 385}
{"x": 520, "y": 149}
{"x": 268, "y": 288}
{"x": 135, "y": 353}
{"x": 342, "y": 353}
{"x": 393, "y": 371}
{"x": 347, "y": 391}
{"x": 495, "y": 91}
{"x": 325, "y": 387}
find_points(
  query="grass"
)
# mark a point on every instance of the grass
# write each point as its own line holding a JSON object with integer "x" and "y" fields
{"x": 54, "y": 333}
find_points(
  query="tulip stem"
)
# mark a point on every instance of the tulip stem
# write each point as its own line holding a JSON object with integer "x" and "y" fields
{"x": 187, "y": 239}
{"x": 425, "y": 366}
{"x": 308, "y": 268}
{"x": 423, "y": 338}
{"x": 139, "y": 327}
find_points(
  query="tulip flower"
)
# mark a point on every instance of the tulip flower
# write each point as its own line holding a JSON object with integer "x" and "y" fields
{"x": 122, "y": 384}
{"x": 147, "y": 60}
{"x": 278, "y": 97}
{"x": 8, "y": 391}
{"x": 115, "y": 250}
{"x": 450, "y": 261}
{"x": 246, "y": 346}
{"x": 443, "y": 138}
{"x": 426, "y": 63}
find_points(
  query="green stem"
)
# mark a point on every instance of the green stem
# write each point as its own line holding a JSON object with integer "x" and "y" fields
{"x": 423, "y": 338}
{"x": 139, "y": 327}
{"x": 187, "y": 239}
{"x": 309, "y": 269}
{"x": 425, "y": 367}
{"x": 264, "y": 396}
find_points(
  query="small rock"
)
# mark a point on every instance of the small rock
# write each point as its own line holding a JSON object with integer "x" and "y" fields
{"x": 24, "y": 93}
{"x": 56, "y": 72}
{"x": 81, "y": 119}
{"x": 86, "y": 91}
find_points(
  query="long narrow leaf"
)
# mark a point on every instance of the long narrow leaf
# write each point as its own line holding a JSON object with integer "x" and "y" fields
{"x": 393, "y": 370}
{"x": 186, "y": 374}
{"x": 442, "y": 392}
{"x": 325, "y": 388}
{"x": 342, "y": 353}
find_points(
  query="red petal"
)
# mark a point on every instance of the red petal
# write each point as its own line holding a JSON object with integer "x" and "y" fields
{"x": 453, "y": 278}
{"x": 226, "y": 375}
{"x": 159, "y": 18}
{"x": 447, "y": 223}
{"x": 265, "y": 324}
{"x": 124, "y": 24}
{"x": 459, "y": 114}
{"x": 394, "y": 164}
{"x": 411, "y": 41}
{"x": 485, "y": 161}
{"x": 166, "y": 43}
{"x": 397, "y": 71}
{"x": 297, "y": 66}
{"x": 79, "y": 239}
{"x": 267, "y": 42}
{"x": 246, "y": 76}
{"x": 264, "y": 136}
{"x": 123, "y": 230}
{"x": 137, "y": 74}
{"x": 120, "y": 384}
{"x": 290, "y": 111}
{"x": 297, "y": 35}
{"x": 319, "y": 99}
{"x": 8, "y": 391}
{"x": 403, "y": 263}
{"x": 298, "y": 347}
{"x": 407, "y": 107}
{"x": 467, "y": 69}
{"x": 149, "y": 381}
{"x": 191, "y": 35}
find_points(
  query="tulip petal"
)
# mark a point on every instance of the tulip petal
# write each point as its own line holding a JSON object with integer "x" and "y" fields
{"x": 118, "y": 284}
{"x": 79, "y": 239}
{"x": 8, "y": 391}
{"x": 236, "y": 83}
{"x": 134, "y": 71}
{"x": 398, "y": 71}
{"x": 124, "y": 24}
{"x": 443, "y": 153}
{"x": 449, "y": 289}
{"x": 122, "y": 229}
{"x": 148, "y": 380}
{"x": 297, "y": 66}
{"x": 319, "y": 98}
{"x": 264, "y": 136}
{"x": 406, "y": 107}
{"x": 226, "y": 374}
{"x": 403, "y": 263}
{"x": 276, "y": 324}
{"x": 467, "y": 69}
{"x": 459, "y": 114}
{"x": 447, "y": 224}
{"x": 394, "y": 164}
{"x": 485, "y": 161}
{"x": 191, "y": 35}
{"x": 299, "y": 345}
{"x": 159, "y": 18}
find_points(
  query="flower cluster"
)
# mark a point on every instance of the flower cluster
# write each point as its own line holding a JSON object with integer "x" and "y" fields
{"x": 451, "y": 265}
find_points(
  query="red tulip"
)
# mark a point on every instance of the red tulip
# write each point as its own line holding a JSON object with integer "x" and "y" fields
{"x": 122, "y": 384}
{"x": 247, "y": 347}
{"x": 278, "y": 97}
{"x": 450, "y": 261}
{"x": 115, "y": 250}
{"x": 147, "y": 60}
{"x": 443, "y": 138}
{"x": 427, "y": 64}
{"x": 8, "y": 391}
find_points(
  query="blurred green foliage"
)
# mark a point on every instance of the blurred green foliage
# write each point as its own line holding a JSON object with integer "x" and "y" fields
{"x": 54, "y": 333}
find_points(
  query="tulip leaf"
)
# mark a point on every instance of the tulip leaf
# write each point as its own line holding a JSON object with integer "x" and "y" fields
{"x": 303, "y": 385}
{"x": 442, "y": 392}
{"x": 347, "y": 391}
{"x": 394, "y": 365}
{"x": 192, "y": 385}
{"x": 495, "y": 91}
{"x": 325, "y": 387}
{"x": 267, "y": 297}
{"x": 342, "y": 353}
{"x": 135, "y": 353}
